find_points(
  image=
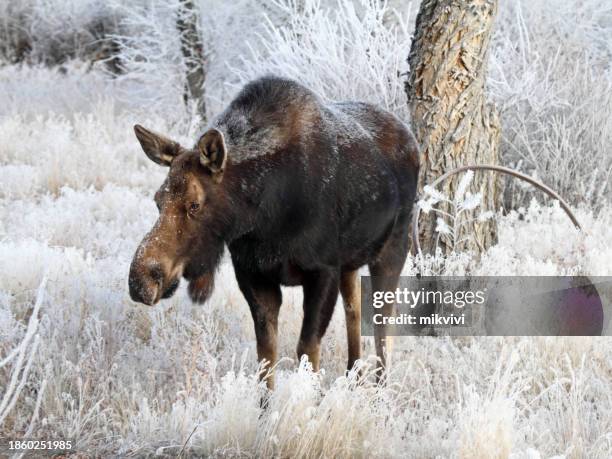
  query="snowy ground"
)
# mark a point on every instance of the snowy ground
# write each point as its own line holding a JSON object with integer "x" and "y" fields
{"x": 118, "y": 378}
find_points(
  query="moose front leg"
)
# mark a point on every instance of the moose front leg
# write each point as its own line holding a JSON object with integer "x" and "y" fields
{"x": 320, "y": 295}
{"x": 264, "y": 300}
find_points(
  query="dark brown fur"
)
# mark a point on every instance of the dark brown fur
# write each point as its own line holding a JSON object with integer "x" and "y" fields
{"x": 301, "y": 193}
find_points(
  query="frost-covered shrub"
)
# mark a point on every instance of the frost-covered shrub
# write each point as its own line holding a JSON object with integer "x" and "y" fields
{"x": 550, "y": 75}
{"x": 344, "y": 50}
{"x": 14, "y": 39}
{"x": 55, "y": 31}
{"x": 151, "y": 56}
{"x": 453, "y": 226}
{"x": 534, "y": 241}
{"x": 61, "y": 30}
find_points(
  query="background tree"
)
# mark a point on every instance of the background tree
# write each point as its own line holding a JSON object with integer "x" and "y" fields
{"x": 451, "y": 117}
{"x": 192, "y": 50}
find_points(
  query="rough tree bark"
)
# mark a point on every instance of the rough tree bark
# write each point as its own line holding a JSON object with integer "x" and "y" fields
{"x": 451, "y": 118}
{"x": 193, "y": 54}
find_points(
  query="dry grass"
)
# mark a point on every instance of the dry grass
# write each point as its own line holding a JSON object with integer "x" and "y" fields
{"x": 124, "y": 379}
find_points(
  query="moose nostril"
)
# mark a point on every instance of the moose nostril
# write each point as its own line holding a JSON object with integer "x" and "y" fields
{"x": 156, "y": 272}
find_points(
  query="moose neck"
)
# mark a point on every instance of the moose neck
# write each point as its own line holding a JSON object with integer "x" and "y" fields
{"x": 244, "y": 186}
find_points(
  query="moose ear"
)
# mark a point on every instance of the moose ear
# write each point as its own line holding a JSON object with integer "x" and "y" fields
{"x": 213, "y": 153}
{"x": 158, "y": 148}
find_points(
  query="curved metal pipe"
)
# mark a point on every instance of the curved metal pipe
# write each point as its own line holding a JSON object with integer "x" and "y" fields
{"x": 501, "y": 169}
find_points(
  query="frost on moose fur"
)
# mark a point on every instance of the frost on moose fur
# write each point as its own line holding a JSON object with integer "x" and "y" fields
{"x": 75, "y": 197}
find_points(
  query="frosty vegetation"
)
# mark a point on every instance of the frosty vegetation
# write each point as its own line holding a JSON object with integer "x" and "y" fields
{"x": 463, "y": 210}
{"x": 80, "y": 361}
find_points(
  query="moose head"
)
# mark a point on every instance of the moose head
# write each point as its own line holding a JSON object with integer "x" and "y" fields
{"x": 187, "y": 239}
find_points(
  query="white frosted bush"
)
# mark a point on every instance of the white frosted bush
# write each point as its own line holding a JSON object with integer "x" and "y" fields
{"x": 343, "y": 50}
{"x": 150, "y": 52}
{"x": 55, "y": 31}
{"x": 550, "y": 75}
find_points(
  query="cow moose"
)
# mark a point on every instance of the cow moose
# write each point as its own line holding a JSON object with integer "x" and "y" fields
{"x": 301, "y": 192}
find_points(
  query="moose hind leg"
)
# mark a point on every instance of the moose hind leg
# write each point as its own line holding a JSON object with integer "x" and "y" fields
{"x": 385, "y": 272}
{"x": 351, "y": 296}
{"x": 320, "y": 296}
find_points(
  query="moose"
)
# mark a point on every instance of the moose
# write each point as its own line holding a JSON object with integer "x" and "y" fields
{"x": 302, "y": 193}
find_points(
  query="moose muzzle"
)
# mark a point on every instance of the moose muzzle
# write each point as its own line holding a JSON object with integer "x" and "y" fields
{"x": 151, "y": 279}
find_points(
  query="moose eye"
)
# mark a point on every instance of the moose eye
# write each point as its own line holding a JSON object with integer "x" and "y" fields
{"x": 194, "y": 207}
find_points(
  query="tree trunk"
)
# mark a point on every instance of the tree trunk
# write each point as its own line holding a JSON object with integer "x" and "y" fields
{"x": 452, "y": 120}
{"x": 193, "y": 54}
